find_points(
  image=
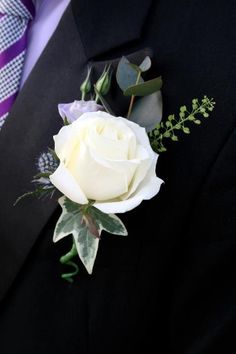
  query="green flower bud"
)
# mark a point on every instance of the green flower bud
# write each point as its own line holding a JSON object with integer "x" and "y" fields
{"x": 85, "y": 87}
{"x": 104, "y": 82}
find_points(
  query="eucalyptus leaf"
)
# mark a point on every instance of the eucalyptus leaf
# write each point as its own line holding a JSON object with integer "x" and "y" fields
{"x": 145, "y": 65}
{"x": 126, "y": 74}
{"x": 71, "y": 223}
{"x": 135, "y": 67}
{"x": 145, "y": 88}
{"x": 147, "y": 111}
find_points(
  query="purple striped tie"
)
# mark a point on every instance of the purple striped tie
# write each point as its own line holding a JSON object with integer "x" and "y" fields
{"x": 15, "y": 16}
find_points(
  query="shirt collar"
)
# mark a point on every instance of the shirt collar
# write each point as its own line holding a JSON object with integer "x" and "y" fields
{"x": 37, "y": 4}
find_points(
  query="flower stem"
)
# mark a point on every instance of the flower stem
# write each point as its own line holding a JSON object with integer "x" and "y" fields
{"x": 66, "y": 259}
{"x": 69, "y": 276}
{"x": 97, "y": 98}
{"x": 133, "y": 97}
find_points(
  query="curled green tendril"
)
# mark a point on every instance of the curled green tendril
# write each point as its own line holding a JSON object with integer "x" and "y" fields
{"x": 66, "y": 259}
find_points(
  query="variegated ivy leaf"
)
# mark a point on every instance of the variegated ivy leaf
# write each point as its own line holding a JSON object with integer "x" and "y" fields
{"x": 71, "y": 223}
{"x": 108, "y": 222}
{"x": 85, "y": 225}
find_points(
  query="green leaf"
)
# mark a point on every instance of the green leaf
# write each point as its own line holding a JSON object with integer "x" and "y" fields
{"x": 71, "y": 223}
{"x": 145, "y": 65}
{"x": 19, "y": 199}
{"x": 126, "y": 74}
{"x": 85, "y": 224}
{"x": 178, "y": 126}
{"x": 135, "y": 67}
{"x": 171, "y": 117}
{"x": 186, "y": 130}
{"x": 145, "y": 88}
{"x": 42, "y": 175}
{"x": 108, "y": 222}
{"x": 166, "y": 134}
{"x": 168, "y": 124}
{"x": 147, "y": 111}
{"x": 183, "y": 109}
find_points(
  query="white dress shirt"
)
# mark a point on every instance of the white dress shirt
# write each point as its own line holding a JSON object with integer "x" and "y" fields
{"x": 48, "y": 15}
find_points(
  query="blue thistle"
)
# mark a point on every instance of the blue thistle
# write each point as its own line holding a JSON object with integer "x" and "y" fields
{"x": 46, "y": 163}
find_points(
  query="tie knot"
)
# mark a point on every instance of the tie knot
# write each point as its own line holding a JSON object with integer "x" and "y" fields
{"x": 18, "y": 8}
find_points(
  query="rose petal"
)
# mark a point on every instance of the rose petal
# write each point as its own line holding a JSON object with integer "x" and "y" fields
{"x": 67, "y": 185}
{"x": 64, "y": 142}
{"x": 147, "y": 190}
{"x": 97, "y": 179}
{"x": 141, "y": 136}
{"x": 121, "y": 141}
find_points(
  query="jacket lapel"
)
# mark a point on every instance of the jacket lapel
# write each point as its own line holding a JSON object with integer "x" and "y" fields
{"x": 34, "y": 120}
{"x": 109, "y": 24}
{"x": 27, "y": 132}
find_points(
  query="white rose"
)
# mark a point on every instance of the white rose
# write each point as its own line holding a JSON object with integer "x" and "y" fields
{"x": 106, "y": 159}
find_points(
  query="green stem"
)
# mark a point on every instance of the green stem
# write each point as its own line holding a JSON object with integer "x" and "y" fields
{"x": 97, "y": 98}
{"x": 66, "y": 259}
{"x": 69, "y": 276}
{"x": 85, "y": 207}
{"x": 133, "y": 97}
{"x": 19, "y": 199}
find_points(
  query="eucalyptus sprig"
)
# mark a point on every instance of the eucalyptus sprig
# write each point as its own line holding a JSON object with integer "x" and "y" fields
{"x": 168, "y": 129}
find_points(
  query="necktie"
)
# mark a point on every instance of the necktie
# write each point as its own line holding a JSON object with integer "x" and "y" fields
{"x": 15, "y": 16}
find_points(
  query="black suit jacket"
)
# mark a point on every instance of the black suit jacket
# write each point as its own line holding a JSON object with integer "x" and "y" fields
{"x": 170, "y": 285}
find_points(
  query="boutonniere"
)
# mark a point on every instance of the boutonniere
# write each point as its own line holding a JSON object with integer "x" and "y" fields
{"x": 104, "y": 164}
